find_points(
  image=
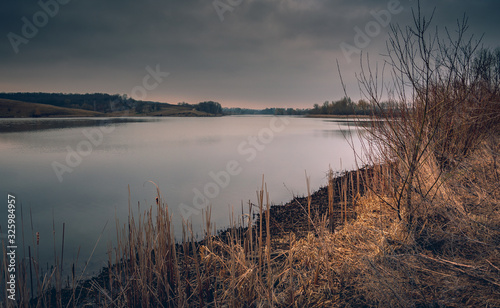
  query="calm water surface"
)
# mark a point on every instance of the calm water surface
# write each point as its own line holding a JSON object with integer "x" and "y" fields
{"x": 77, "y": 171}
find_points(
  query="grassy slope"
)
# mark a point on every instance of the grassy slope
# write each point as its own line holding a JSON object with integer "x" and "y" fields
{"x": 18, "y": 109}
{"x": 370, "y": 260}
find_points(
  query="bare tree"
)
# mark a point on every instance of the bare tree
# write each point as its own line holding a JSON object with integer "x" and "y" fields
{"x": 443, "y": 101}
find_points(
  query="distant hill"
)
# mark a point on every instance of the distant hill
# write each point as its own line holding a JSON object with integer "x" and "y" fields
{"x": 99, "y": 102}
{"x": 17, "y": 109}
{"x": 26, "y": 104}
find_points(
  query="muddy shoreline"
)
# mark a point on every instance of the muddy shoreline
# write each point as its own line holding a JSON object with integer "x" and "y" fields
{"x": 285, "y": 219}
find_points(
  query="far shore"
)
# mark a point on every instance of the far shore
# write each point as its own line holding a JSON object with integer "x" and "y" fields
{"x": 343, "y": 116}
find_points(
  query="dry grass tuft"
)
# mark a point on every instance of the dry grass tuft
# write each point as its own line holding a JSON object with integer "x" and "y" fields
{"x": 419, "y": 227}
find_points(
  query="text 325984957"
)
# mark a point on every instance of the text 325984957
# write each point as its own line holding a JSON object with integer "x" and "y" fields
{"x": 11, "y": 246}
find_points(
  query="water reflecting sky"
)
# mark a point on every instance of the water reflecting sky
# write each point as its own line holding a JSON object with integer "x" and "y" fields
{"x": 176, "y": 153}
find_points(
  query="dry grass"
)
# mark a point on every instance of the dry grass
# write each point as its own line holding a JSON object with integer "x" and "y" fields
{"x": 450, "y": 258}
{"x": 426, "y": 229}
{"x": 17, "y": 109}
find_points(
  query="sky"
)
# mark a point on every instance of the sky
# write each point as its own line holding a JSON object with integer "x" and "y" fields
{"x": 240, "y": 53}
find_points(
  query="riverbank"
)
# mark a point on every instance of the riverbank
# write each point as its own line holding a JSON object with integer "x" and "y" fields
{"x": 344, "y": 245}
{"x": 290, "y": 218}
{"x": 341, "y": 246}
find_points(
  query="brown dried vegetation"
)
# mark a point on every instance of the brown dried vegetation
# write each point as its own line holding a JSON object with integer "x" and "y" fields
{"x": 419, "y": 227}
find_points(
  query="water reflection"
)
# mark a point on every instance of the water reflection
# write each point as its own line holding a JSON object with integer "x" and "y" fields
{"x": 34, "y": 124}
{"x": 176, "y": 153}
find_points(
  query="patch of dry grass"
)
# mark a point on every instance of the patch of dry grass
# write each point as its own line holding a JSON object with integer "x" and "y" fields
{"x": 449, "y": 258}
{"x": 426, "y": 229}
{"x": 17, "y": 109}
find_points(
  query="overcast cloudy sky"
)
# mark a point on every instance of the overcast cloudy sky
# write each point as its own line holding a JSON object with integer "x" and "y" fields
{"x": 247, "y": 53}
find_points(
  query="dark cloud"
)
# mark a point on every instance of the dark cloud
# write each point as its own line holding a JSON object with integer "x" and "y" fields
{"x": 265, "y": 52}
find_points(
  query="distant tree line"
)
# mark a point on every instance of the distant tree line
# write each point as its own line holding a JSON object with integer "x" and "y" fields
{"x": 99, "y": 102}
{"x": 104, "y": 103}
{"x": 344, "y": 106}
{"x": 207, "y": 106}
{"x": 485, "y": 69}
{"x": 266, "y": 111}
